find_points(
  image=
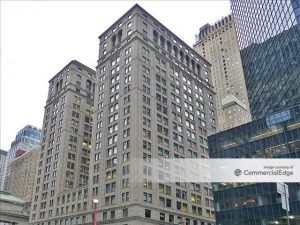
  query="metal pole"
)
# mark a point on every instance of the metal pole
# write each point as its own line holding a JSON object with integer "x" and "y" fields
{"x": 94, "y": 216}
{"x": 286, "y": 205}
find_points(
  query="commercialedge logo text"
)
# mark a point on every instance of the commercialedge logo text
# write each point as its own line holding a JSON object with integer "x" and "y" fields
{"x": 269, "y": 173}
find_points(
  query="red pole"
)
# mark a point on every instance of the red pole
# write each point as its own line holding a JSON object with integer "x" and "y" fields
{"x": 183, "y": 221}
{"x": 94, "y": 216}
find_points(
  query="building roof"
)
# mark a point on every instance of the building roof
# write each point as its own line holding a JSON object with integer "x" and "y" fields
{"x": 8, "y": 197}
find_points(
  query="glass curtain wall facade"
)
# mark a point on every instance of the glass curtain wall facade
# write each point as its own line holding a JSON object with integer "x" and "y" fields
{"x": 274, "y": 136}
{"x": 26, "y": 139}
{"x": 269, "y": 39}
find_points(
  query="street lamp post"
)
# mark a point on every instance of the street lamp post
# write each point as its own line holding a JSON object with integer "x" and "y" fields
{"x": 95, "y": 203}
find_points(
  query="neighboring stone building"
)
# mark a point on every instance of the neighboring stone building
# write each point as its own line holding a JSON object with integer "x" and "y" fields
{"x": 154, "y": 100}
{"x": 3, "y": 164}
{"x": 64, "y": 158}
{"x": 22, "y": 176}
{"x": 13, "y": 211}
{"x": 219, "y": 45}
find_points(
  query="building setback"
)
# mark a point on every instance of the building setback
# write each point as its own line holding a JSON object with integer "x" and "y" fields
{"x": 3, "y": 164}
{"x": 21, "y": 180}
{"x": 154, "y": 99}
{"x": 269, "y": 39}
{"x": 63, "y": 161}
{"x": 273, "y": 136}
{"x": 218, "y": 44}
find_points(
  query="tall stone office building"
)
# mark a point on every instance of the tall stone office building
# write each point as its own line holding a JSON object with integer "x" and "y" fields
{"x": 153, "y": 99}
{"x": 269, "y": 38}
{"x": 63, "y": 162}
{"x": 219, "y": 45}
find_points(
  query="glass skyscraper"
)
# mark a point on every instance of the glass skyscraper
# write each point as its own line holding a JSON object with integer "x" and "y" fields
{"x": 269, "y": 38}
{"x": 273, "y": 136}
{"x": 27, "y": 138}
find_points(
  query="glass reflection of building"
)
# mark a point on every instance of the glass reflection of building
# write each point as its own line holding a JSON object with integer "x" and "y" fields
{"x": 273, "y": 136}
{"x": 269, "y": 38}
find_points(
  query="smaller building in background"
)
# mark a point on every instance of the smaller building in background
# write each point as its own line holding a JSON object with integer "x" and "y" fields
{"x": 3, "y": 163}
{"x": 13, "y": 211}
{"x": 26, "y": 139}
{"x": 22, "y": 175}
{"x": 219, "y": 45}
{"x": 273, "y": 136}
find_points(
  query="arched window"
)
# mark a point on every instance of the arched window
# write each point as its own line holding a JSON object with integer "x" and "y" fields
{"x": 169, "y": 46}
{"x": 120, "y": 36}
{"x": 193, "y": 65}
{"x": 187, "y": 61}
{"x": 175, "y": 49}
{"x": 113, "y": 40}
{"x": 198, "y": 69}
{"x": 181, "y": 56}
{"x": 155, "y": 36}
{"x": 162, "y": 42}
{"x": 89, "y": 85}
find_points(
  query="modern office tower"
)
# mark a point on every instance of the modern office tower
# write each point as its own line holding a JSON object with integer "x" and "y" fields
{"x": 273, "y": 136}
{"x": 63, "y": 161}
{"x": 269, "y": 39}
{"x": 22, "y": 175}
{"x": 154, "y": 100}
{"x": 3, "y": 163}
{"x": 26, "y": 139}
{"x": 218, "y": 44}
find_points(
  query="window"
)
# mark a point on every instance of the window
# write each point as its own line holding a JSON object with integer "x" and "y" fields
{"x": 147, "y": 170}
{"x": 146, "y": 122}
{"x": 146, "y": 133}
{"x": 146, "y": 111}
{"x": 111, "y": 162}
{"x": 125, "y": 170}
{"x": 147, "y": 197}
{"x": 113, "y": 139}
{"x": 110, "y": 187}
{"x": 147, "y": 213}
{"x": 110, "y": 200}
{"x": 125, "y": 212}
{"x": 127, "y": 51}
{"x": 146, "y": 145}
{"x": 112, "y": 151}
{"x": 126, "y": 157}
{"x": 148, "y": 184}
{"x": 125, "y": 183}
{"x": 125, "y": 197}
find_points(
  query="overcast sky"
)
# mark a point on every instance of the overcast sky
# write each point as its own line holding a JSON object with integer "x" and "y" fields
{"x": 38, "y": 38}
